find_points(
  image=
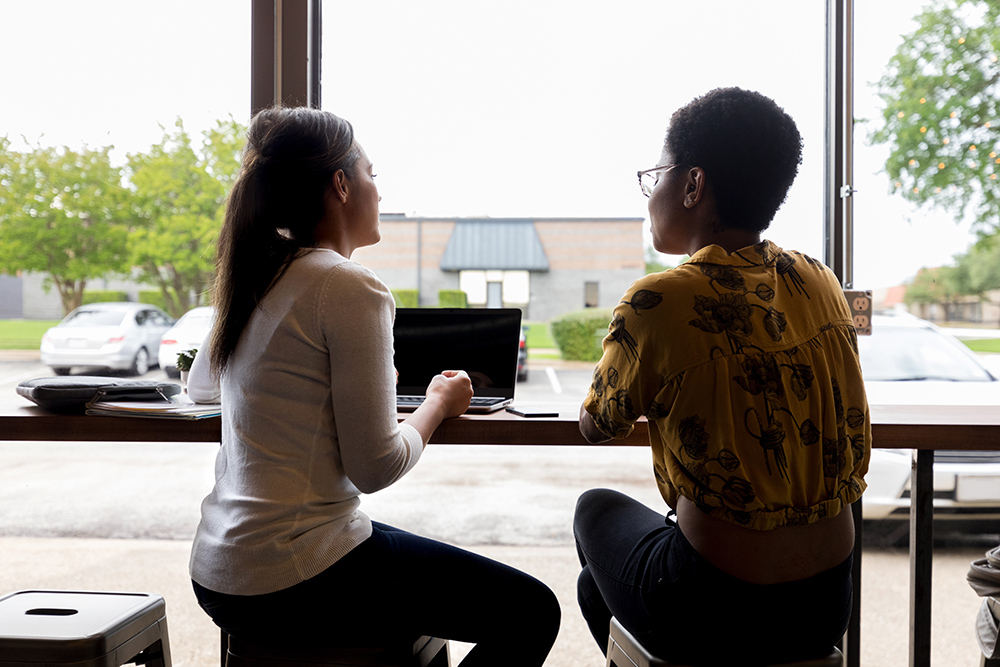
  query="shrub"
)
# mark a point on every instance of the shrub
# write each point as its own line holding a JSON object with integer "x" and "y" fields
{"x": 579, "y": 334}
{"x": 453, "y": 298}
{"x": 405, "y": 298}
{"x": 153, "y": 297}
{"x": 103, "y": 296}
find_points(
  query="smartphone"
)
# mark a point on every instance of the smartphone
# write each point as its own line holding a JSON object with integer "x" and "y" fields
{"x": 525, "y": 411}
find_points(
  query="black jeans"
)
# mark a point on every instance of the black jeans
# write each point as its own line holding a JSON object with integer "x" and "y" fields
{"x": 638, "y": 566}
{"x": 398, "y": 585}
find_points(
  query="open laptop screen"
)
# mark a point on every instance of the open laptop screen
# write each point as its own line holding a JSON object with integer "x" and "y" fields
{"x": 483, "y": 342}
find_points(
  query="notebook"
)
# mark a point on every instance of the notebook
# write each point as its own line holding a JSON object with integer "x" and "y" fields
{"x": 483, "y": 342}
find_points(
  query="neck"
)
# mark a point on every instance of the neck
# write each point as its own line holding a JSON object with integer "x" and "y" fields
{"x": 729, "y": 240}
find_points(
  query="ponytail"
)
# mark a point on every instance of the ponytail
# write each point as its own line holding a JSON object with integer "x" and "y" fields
{"x": 272, "y": 212}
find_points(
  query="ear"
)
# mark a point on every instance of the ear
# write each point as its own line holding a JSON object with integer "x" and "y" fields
{"x": 694, "y": 187}
{"x": 339, "y": 184}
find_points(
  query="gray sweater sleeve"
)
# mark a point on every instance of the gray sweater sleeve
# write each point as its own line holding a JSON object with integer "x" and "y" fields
{"x": 355, "y": 313}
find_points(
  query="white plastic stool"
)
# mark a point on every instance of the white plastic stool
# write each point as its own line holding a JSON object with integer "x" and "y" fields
{"x": 83, "y": 629}
{"x": 625, "y": 651}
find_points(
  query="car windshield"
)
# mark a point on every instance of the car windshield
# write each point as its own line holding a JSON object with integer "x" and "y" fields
{"x": 915, "y": 353}
{"x": 196, "y": 318}
{"x": 94, "y": 318}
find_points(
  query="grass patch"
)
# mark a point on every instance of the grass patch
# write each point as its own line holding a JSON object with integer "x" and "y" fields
{"x": 984, "y": 345}
{"x": 23, "y": 334}
{"x": 538, "y": 336}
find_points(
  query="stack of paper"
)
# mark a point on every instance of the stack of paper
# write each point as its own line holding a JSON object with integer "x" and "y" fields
{"x": 177, "y": 407}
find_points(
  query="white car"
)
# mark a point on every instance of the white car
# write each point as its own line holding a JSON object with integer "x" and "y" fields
{"x": 189, "y": 333}
{"x": 118, "y": 336}
{"x": 909, "y": 361}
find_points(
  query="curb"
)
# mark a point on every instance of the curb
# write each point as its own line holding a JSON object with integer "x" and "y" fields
{"x": 20, "y": 355}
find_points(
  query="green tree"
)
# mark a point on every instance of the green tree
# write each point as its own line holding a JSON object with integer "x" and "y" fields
{"x": 180, "y": 192}
{"x": 982, "y": 265}
{"x": 63, "y": 213}
{"x": 654, "y": 261}
{"x": 938, "y": 285}
{"x": 942, "y": 111}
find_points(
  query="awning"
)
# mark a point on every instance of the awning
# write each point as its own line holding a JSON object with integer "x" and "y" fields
{"x": 508, "y": 245}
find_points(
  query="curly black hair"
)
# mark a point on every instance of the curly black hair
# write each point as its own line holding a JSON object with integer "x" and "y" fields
{"x": 749, "y": 148}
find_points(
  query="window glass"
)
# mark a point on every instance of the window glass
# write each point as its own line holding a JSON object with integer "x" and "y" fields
{"x": 893, "y": 239}
{"x": 548, "y": 109}
{"x": 516, "y": 287}
{"x": 94, "y": 318}
{"x": 112, "y": 72}
{"x": 915, "y": 354}
{"x": 473, "y": 283}
{"x": 119, "y": 73}
{"x": 591, "y": 295}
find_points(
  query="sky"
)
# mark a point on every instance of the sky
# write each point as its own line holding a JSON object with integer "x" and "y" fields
{"x": 520, "y": 108}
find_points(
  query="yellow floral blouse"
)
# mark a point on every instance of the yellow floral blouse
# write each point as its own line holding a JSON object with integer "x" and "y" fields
{"x": 746, "y": 366}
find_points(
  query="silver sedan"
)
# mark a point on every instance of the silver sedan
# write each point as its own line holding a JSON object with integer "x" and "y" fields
{"x": 116, "y": 336}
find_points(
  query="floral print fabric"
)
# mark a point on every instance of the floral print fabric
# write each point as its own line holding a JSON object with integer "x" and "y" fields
{"x": 746, "y": 366}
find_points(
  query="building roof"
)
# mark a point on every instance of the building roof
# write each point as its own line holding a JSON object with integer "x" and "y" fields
{"x": 510, "y": 245}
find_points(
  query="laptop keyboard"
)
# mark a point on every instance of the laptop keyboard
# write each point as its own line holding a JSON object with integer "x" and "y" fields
{"x": 476, "y": 400}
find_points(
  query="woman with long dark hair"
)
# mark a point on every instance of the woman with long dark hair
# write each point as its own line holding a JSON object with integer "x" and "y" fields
{"x": 302, "y": 351}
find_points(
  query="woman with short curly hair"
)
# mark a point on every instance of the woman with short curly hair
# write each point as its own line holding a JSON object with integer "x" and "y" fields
{"x": 744, "y": 359}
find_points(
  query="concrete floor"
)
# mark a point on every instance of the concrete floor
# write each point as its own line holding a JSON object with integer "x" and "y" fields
{"x": 160, "y": 566}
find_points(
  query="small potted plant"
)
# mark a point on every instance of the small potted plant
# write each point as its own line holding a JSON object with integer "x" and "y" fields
{"x": 184, "y": 360}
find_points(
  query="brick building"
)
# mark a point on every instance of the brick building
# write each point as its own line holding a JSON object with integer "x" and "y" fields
{"x": 546, "y": 266}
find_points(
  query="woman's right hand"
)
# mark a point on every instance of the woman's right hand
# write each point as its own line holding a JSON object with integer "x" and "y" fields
{"x": 452, "y": 390}
{"x": 448, "y": 395}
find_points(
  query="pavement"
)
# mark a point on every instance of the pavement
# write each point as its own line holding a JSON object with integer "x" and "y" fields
{"x": 160, "y": 566}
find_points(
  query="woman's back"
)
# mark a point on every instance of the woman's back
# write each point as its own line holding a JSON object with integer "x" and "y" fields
{"x": 308, "y": 424}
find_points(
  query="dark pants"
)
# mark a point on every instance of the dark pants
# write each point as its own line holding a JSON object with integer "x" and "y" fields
{"x": 638, "y": 566}
{"x": 398, "y": 585}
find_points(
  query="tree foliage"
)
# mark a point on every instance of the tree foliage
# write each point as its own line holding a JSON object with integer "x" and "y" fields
{"x": 941, "y": 113}
{"x": 180, "y": 195}
{"x": 63, "y": 213}
{"x": 973, "y": 273}
{"x": 654, "y": 261}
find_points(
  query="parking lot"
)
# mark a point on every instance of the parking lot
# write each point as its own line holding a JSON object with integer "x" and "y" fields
{"x": 120, "y": 516}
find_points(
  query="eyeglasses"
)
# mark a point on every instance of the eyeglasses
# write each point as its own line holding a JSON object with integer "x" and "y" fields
{"x": 648, "y": 178}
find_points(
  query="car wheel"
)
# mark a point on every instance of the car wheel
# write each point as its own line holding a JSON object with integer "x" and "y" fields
{"x": 61, "y": 370}
{"x": 140, "y": 365}
{"x": 522, "y": 376}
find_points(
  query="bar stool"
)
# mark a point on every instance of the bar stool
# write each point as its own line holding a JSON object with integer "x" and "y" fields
{"x": 986, "y": 631}
{"x": 83, "y": 629}
{"x": 625, "y": 651}
{"x": 421, "y": 652}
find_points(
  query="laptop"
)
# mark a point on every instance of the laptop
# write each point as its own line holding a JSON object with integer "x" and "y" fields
{"x": 483, "y": 342}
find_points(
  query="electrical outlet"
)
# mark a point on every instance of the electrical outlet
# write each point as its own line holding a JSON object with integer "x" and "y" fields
{"x": 860, "y": 303}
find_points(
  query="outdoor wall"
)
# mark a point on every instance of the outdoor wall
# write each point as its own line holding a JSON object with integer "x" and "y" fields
{"x": 553, "y": 294}
{"x": 11, "y": 298}
{"x": 394, "y": 258}
{"x": 607, "y": 251}
{"x": 39, "y": 304}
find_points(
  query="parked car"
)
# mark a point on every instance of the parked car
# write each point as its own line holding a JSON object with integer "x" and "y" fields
{"x": 189, "y": 333}
{"x": 522, "y": 358}
{"x": 115, "y": 336}
{"x": 909, "y": 361}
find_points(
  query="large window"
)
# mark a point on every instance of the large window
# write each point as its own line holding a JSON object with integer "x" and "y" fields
{"x": 548, "y": 109}
{"x": 88, "y": 75}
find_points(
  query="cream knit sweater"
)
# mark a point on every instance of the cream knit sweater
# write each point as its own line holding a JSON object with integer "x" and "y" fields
{"x": 308, "y": 424}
